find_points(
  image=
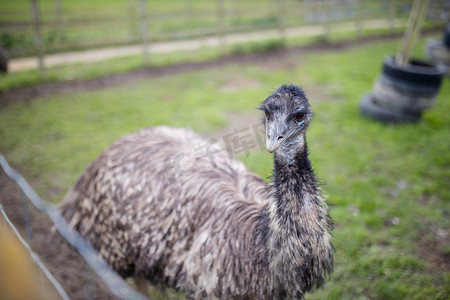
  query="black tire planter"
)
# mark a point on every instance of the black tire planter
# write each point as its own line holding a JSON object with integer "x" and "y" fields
{"x": 446, "y": 37}
{"x": 401, "y": 94}
{"x": 370, "y": 108}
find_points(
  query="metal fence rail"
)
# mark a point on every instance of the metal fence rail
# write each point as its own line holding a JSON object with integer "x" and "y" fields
{"x": 112, "y": 280}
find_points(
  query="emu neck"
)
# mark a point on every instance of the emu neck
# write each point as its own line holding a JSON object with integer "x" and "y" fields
{"x": 300, "y": 252}
{"x": 294, "y": 183}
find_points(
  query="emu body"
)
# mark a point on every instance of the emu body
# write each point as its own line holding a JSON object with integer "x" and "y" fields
{"x": 166, "y": 205}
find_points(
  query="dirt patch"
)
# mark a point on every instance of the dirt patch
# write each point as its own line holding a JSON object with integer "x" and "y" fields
{"x": 239, "y": 83}
{"x": 431, "y": 252}
{"x": 62, "y": 260}
{"x": 282, "y": 63}
{"x": 434, "y": 241}
{"x": 431, "y": 247}
{"x": 319, "y": 94}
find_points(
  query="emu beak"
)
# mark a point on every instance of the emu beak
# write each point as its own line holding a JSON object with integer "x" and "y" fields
{"x": 275, "y": 137}
{"x": 272, "y": 144}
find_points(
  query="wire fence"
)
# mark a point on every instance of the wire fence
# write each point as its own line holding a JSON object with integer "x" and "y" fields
{"x": 59, "y": 26}
{"x": 112, "y": 280}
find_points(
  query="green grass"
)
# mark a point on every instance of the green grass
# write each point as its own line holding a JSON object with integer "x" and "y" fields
{"x": 388, "y": 185}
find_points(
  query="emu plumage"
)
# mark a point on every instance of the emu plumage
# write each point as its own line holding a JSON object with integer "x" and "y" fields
{"x": 166, "y": 205}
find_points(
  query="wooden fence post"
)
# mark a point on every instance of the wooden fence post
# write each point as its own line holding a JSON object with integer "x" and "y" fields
{"x": 38, "y": 36}
{"x": 326, "y": 5}
{"x": 133, "y": 20}
{"x": 359, "y": 19}
{"x": 307, "y": 12}
{"x": 144, "y": 30}
{"x": 189, "y": 9}
{"x": 220, "y": 9}
{"x": 391, "y": 15}
{"x": 280, "y": 20}
{"x": 59, "y": 20}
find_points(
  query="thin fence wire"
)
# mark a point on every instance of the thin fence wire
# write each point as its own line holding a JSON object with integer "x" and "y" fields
{"x": 79, "y": 27}
{"x": 35, "y": 257}
{"x": 142, "y": 23}
{"x": 112, "y": 280}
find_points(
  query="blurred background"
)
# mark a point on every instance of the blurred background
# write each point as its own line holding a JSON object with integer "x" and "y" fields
{"x": 42, "y": 28}
{"x": 80, "y": 74}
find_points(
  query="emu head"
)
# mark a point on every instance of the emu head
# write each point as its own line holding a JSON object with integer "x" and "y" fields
{"x": 287, "y": 115}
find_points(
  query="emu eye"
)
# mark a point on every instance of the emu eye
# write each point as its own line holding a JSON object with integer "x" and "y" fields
{"x": 267, "y": 114}
{"x": 299, "y": 117}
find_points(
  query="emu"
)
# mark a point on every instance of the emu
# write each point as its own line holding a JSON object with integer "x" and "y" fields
{"x": 164, "y": 205}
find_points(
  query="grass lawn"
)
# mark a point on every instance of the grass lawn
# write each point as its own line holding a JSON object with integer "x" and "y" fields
{"x": 388, "y": 186}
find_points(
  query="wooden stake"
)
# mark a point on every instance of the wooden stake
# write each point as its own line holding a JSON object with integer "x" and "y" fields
{"x": 38, "y": 36}
{"x": 144, "y": 30}
{"x": 416, "y": 17}
{"x": 59, "y": 22}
